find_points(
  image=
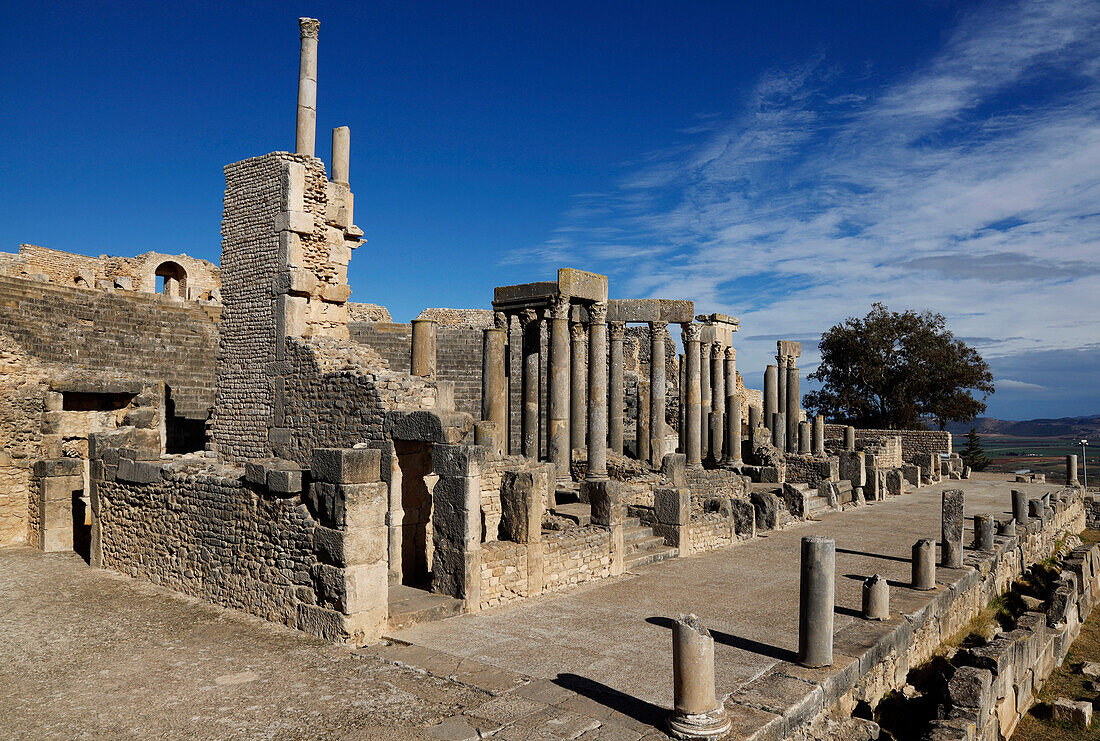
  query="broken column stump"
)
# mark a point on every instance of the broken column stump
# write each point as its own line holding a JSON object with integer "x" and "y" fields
{"x": 697, "y": 714}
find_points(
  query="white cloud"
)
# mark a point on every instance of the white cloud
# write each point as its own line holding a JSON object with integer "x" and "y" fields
{"x": 970, "y": 187}
{"x": 1012, "y": 384}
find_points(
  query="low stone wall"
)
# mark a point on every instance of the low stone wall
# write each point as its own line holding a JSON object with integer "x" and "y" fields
{"x": 806, "y": 469}
{"x": 1092, "y": 511}
{"x": 568, "y": 557}
{"x": 706, "y": 483}
{"x": 994, "y": 685}
{"x": 712, "y": 530}
{"x": 913, "y": 442}
{"x": 885, "y": 661}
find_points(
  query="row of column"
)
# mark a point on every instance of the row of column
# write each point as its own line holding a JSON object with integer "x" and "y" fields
{"x": 581, "y": 397}
{"x": 711, "y": 407}
{"x": 782, "y": 410}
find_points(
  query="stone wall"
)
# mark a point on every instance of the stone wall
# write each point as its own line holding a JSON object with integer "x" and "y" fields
{"x": 392, "y": 341}
{"x": 199, "y": 279}
{"x": 805, "y": 469}
{"x": 1092, "y": 511}
{"x": 117, "y": 333}
{"x": 358, "y": 312}
{"x": 23, "y": 384}
{"x": 504, "y": 572}
{"x": 913, "y": 442}
{"x": 458, "y": 360}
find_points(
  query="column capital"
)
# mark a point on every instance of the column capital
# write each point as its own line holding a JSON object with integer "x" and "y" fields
{"x": 731, "y": 354}
{"x": 309, "y": 28}
{"x": 691, "y": 332}
{"x": 717, "y": 352}
{"x": 616, "y": 331}
{"x": 527, "y": 316}
{"x": 559, "y": 307}
{"x": 657, "y": 327}
{"x": 500, "y": 320}
{"x": 577, "y": 332}
{"x": 597, "y": 312}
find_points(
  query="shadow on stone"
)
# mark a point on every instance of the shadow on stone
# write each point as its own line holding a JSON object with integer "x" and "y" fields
{"x": 745, "y": 644}
{"x": 863, "y": 578}
{"x": 872, "y": 555}
{"x": 632, "y": 707}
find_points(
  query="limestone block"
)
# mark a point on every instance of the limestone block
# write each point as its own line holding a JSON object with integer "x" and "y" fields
{"x": 299, "y": 282}
{"x": 895, "y": 483}
{"x": 346, "y": 465}
{"x": 441, "y": 427}
{"x": 124, "y": 282}
{"x": 673, "y": 466}
{"x": 606, "y": 500}
{"x": 969, "y": 688}
{"x": 744, "y": 517}
{"x": 290, "y": 250}
{"x": 142, "y": 418}
{"x": 1072, "y": 712}
{"x": 293, "y": 186}
{"x": 148, "y": 442}
{"x": 766, "y": 505}
{"x": 458, "y": 460}
{"x": 58, "y": 467}
{"x": 522, "y": 496}
{"x": 283, "y": 481}
{"x": 66, "y": 424}
{"x": 294, "y": 221}
{"x": 672, "y": 506}
{"x": 138, "y": 472}
{"x": 365, "y": 505}
{"x": 335, "y": 294}
{"x": 366, "y": 587}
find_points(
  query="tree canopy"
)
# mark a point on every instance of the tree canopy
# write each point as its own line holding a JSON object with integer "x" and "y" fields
{"x": 893, "y": 370}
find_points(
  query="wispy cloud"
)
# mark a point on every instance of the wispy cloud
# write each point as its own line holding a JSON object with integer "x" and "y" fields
{"x": 971, "y": 187}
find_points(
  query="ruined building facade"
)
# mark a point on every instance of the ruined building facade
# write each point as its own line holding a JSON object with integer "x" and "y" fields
{"x": 249, "y": 436}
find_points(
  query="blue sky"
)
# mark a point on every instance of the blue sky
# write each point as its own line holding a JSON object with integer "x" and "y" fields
{"x": 788, "y": 164}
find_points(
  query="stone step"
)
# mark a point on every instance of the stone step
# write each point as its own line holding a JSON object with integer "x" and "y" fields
{"x": 643, "y": 544}
{"x": 631, "y": 522}
{"x": 578, "y": 512}
{"x": 653, "y": 555}
{"x": 410, "y": 606}
{"x": 635, "y": 532}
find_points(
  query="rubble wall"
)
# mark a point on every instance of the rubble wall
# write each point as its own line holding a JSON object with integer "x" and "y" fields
{"x": 391, "y": 340}
{"x": 23, "y": 384}
{"x": 212, "y": 536}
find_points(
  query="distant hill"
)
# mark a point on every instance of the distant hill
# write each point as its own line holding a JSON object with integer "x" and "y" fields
{"x": 1086, "y": 427}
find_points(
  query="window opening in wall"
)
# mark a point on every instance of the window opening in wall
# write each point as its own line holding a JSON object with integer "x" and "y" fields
{"x": 171, "y": 279}
{"x": 181, "y": 434}
{"x": 82, "y": 401}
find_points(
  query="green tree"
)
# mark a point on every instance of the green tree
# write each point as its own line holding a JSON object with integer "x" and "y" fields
{"x": 895, "y": 371}
{"x": 973, "y": 454}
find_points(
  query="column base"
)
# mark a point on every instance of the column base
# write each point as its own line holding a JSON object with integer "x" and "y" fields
{"x": 714, "y": 724}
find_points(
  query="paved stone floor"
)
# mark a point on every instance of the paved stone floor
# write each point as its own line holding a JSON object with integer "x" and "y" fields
{"x": 90, "y": 654}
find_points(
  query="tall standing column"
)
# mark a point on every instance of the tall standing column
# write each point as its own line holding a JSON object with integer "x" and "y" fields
{"x": 781, "y": 386}
{"x": 641, "y": 427}
{"x": 559, "y": 387}
{"x": 529, "y": 319}
{"x": 794, "y": 411}
{"x": 704, "y": 397}
{"x": 305, "y": 138}
{"x": 578, "y": 386}
{"x": 494, "y": 389}
{"x": 681, "y": 406}
{"x": 771, "y": 395}
{"x": 656, "y": 392}
{"x": 733, "y": 430}
{"x": 951, "y": 528}
{"x": 693, "y": 434}
{"x": 597, "y": 392}
{"x": 1071, "y": 470}
{"x": 615, "y": 390}
{"x": 718, "y": 401}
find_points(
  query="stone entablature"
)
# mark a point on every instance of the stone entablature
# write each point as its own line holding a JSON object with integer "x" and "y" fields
{"x": 183, "y": 276}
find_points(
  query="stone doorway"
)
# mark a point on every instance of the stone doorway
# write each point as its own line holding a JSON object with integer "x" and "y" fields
{"x": 82, "y": 526}
{"x": 414, "y": 457}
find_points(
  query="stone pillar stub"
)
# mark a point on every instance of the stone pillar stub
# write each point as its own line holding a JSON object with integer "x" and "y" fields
{"x": 597, "y": 392}
{"x": 983, "y": 532}
{"x": 657, "y": 392}
{"x": 924, "y": 565}
{"x": 794, "y": 408}
{"x": 696, "y": 714}
{"x": 423, "y": 361}
{"x": 305, "y": 138}
{"x": 558, "y": 401}
{"x": 494, "y": 384}
{"x": 1019, "y": 507}
{"x": 819, "y": 435}
{"x": 816, "y": 601}
{"x": 692, "y": 415}
{"x": 733, "y": 430}
{"x": 850, "y": 438}
{"x": 803, "y": 437}
{"x": 876, "y": 598}
{"x": 341, "y": 154}
{"x": 951, "y": 517}
{"x": 616, "y": 331}
{"x": 1071, "y": 470}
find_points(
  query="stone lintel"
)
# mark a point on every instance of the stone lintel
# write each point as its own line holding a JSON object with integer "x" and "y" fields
{"x": 719, "y": 319}
{"x": 670, "y": 311}
{"x": 525, "y": 295}
{"x": 789, "y": 349}
{"x": 582, "y": 285}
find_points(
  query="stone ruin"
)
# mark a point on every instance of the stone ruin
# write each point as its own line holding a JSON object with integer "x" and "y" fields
{"x": 256, "y": 440}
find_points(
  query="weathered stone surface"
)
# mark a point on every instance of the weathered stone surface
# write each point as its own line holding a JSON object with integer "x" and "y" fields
{"x": 952, "y": 528}
{"x": 521, "y": 498}
{"x": 1076, "y": 713}
{"x": 346, "y": 465}
{"x": 672, "y": 506}
{"x": 766, "y": 505}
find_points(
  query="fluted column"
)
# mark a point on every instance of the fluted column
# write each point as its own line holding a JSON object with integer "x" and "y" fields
{"x": 771, "y": 394}
{"x": 717, "y": 401}
{"x": 656, "y": 392}
{"x": 597, "y": 392}
{"x": 693, "y": 434}
{"x": 578, "y": 386}
{"x": 559, "y": 386}
{"x": 529, "y": 320}
{"x": 616, "y": 400}
{"x": 793, "y": 407}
